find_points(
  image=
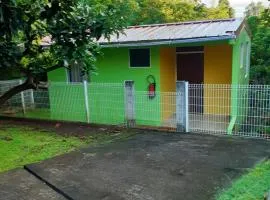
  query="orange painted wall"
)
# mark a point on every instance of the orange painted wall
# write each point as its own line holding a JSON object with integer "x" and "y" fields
{"x": 218, "y": 64}
{"x": 167, "y": 80}
{"x": 167, "y": 69}
{"x": 217, "y": 70}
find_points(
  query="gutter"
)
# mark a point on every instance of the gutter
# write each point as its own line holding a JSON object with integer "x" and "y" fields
{"x": 167, "y": 42}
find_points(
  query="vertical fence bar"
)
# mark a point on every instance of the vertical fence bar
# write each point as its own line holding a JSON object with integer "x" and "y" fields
{"x": 186, "y": 107}
{"x": 182, "y": 123}
{"x": 32, "y": 99}
{"x": 86, "y": 101}
{"x": 22, "y": 98}
{"x": 130, "y": 104}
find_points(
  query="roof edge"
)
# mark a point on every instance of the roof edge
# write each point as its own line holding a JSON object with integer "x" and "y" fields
{"x": 186, "y": 22}
{"x": 167, "y": 42}
{"x": 243, "y": 25}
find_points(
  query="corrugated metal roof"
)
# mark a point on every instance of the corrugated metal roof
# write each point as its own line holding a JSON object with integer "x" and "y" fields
{"x": 177, "y": 31}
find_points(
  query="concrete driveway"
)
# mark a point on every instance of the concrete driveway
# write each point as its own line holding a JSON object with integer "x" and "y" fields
{"x": 19, "y": 184}
{"x": 152, "y": 166}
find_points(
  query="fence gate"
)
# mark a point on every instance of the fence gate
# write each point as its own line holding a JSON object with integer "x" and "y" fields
{"x": 242, "y": 110}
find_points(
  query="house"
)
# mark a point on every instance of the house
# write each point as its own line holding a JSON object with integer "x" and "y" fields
{"x": 200, "y": 52}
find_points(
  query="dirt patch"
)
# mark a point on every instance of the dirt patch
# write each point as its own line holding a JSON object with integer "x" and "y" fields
{"x": 66, "y": 129}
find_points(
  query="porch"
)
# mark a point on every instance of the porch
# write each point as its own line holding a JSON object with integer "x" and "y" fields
{"x": 202, "y": 123}
{"x": 208, "y": 69}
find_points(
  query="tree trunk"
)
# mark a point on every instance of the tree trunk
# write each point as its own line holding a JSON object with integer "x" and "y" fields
{"x": 28, "y": 84}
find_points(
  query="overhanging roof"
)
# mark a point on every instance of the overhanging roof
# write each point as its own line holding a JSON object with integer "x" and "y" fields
{"x": 176, "y": 33}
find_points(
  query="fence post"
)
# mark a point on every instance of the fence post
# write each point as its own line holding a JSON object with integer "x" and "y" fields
{"x": 86, "y": 101}
{"x": 182, "y": 120}
{"x": 32, "y": 99}
{"x": 22, "y": 97}
{"x": 130, "y": 104}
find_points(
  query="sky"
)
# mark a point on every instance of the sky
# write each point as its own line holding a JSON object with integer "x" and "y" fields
{"x": 238, "y": 5}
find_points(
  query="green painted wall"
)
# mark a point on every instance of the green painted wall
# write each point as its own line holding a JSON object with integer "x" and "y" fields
{"x": 66, "y": 99}
{"x": 239, "y": 97}
{"x": 108, "y": 106}
{"x": 58, "y": 75}
{"x": 113, "y": 66}
{"x": 238, "y": 73}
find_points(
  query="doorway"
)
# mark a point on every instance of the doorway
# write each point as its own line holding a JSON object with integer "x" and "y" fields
{"x": 190, "y": 67}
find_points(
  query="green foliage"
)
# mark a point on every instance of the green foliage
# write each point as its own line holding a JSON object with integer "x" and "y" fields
{"x": 266, "y": 17}
{"x": 73, "y": 25}
{"x": 160, "y": 11}
{"x": 163, "y": 11}
{"x": 254, "y": 9}
{"x": 21, "y": 145}
{"x": 223, "y": 10}
{"x": 260, "y": 49}
{"x": 260, "y": 74}
{"x": 224, "y": 5}
{"x": 252, "y": 186}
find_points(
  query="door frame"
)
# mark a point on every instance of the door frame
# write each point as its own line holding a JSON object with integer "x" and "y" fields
{"x": 190, "y": 50}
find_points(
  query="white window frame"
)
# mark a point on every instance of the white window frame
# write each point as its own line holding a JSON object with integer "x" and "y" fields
{"x": 242, "y": 51}
{"x": 247, "y": 59}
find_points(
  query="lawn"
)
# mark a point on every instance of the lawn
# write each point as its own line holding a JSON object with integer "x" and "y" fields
{"x": 38, "y": 113}
{"x": 22, "y": 145}
{"x": 252, "y": 186}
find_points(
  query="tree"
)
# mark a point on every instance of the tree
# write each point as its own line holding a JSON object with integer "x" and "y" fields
{"x": 222, "y": 10}
{"x": 224, "y": 5}
{"x": 260, "y": 49}
{"x": 266, "y": 16}
{"x": 254, "y": 9}
{"x": 73, "y": 27}
{"x": 164, "y": 11}
{"x": 148, "y": 12}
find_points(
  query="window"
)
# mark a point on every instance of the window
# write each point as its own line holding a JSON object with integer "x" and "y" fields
{"x": 139, "y": 57}
{"x": 75, "y": 74}
{"x": 242, "y": 55}
{"x": 247, "y": 64}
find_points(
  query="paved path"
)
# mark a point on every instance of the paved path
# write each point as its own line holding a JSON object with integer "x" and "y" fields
{"x": 152, "y": 166}
{"x": 20, "y": 185}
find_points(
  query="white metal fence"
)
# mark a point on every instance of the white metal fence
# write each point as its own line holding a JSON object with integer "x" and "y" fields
{"x": 210, "y": 109}
{"x": 21, "y": 101}
{"x": 230, "y": 109}
{"x": 101, "y": 103}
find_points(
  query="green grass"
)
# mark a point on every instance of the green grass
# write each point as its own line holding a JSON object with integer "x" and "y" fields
{"x": 251, "y": 186}
{"x": 38, "y": 113}
{"x": 20, "y": 145}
